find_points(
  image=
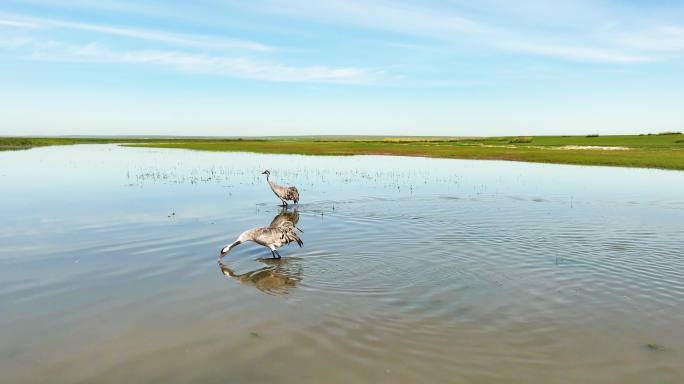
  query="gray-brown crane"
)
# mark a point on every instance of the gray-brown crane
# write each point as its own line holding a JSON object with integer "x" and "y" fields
{"x": 283, "y": 193}
{"x": 281, "y": 232}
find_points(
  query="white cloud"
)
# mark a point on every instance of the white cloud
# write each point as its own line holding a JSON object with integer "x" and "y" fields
{"x": 196, "y": 41}
{"x": 658, "y": 38}
{"x": 455, "y": 29}
{"x": 391, "y": 16}
{"x": 580, "y": 53}
{"x": 215, "y": 56}
{"x": 16, "y": 24}
{"x": 192, "y": 62}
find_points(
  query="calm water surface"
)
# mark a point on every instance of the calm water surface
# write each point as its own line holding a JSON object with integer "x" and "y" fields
{"x": 413, "y": 270}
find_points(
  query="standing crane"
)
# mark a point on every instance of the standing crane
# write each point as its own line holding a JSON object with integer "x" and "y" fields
{"x": 283, "y": 193}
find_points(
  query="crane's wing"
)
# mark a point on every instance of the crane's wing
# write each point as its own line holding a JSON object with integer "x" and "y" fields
{"x": 293, "y": 194}
{"x": 284, "y": 233}
{"x": 279, "y": 190}
{"x": 288, "y": 233}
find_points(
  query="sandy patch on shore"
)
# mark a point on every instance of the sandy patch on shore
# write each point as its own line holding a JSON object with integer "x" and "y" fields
{"x": 595, "y": 147}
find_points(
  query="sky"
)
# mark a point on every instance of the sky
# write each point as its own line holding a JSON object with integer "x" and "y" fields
{"x": 341, "y": 67}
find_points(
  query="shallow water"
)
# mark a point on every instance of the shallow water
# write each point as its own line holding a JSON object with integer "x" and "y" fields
{"x": 412, "y": 270}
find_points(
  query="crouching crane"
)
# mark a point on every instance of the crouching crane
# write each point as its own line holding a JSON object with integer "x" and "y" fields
{"x": 281, "y": 233}
{"x": 283, "y": 193}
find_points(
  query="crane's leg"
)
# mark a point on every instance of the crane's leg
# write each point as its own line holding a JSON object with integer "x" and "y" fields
{"x": 276, "y": 252}
{"x": 273, "y": 254}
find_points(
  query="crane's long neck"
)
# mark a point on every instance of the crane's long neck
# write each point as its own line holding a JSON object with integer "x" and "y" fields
{"x": 271, "y": 184}
{"x": 247, "y": 235}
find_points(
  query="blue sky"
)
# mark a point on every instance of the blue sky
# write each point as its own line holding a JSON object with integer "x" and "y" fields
{"x": 273, "y": 67}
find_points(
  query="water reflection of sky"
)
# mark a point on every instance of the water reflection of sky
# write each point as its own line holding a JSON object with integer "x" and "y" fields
{"x": 109, "y": 242}
{"x": 90, "y": 174}
{"x": 119, "y": 184}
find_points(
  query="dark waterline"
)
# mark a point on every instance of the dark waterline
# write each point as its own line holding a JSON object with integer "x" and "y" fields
{"x": 413, "y": 270}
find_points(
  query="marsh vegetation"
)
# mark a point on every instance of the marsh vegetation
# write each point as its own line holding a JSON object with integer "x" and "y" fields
{"x": 664, "y": 150}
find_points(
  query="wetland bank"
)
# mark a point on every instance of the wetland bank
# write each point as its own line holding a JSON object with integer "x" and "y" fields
{"x": 413, "y": 270}
{"x": 663, "y": 150}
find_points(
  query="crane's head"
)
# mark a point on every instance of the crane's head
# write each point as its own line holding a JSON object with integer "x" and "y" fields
{"x": 227, "y": 248}
{"x": 266, "y": 172}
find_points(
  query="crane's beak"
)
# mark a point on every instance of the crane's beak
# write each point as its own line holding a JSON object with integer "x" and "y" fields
{"x": 264, "y": 172}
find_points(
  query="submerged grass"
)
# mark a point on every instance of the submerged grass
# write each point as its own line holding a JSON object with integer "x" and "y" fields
{"x": 646, "y": 151}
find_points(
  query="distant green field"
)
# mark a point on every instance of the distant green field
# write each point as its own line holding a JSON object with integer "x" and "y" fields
{"x": 646, "y": 151}
{"x": 12, "y": 143}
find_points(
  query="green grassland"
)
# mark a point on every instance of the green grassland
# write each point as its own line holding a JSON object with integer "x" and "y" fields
{"x": 664, "y": 150}
{"x": 14, "y": 143}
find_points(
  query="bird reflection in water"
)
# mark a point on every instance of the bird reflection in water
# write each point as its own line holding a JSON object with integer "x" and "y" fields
{"x": 279, "y": 276}
{"x": 283, "y": 216}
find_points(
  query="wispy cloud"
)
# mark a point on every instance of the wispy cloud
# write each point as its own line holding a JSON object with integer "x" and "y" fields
{"x": 191, "y": 62}
{"x": 472, "y": 30}
{"x": 381, "y": 15}
{"x": 579, "y": 53}
{"x": 16, "y": 24}
{"x": 449, "y": 28}
{"x": 212, "y": 55}
{"x": 197, "y": 41}
{"x": 656, "y": 38}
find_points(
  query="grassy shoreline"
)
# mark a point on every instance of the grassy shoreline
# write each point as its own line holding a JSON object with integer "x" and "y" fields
{"x": 665, "y": 151}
